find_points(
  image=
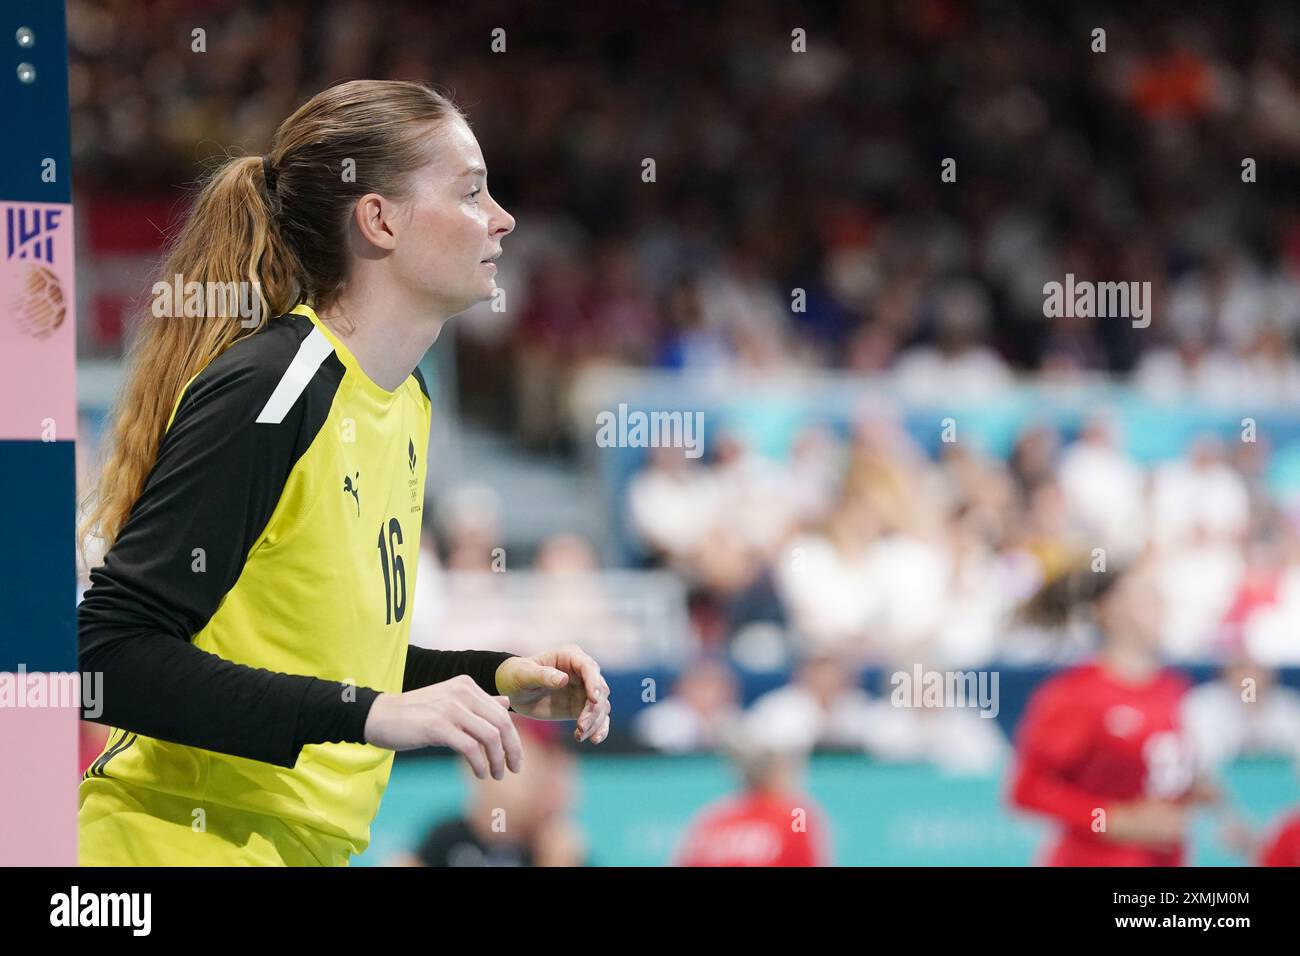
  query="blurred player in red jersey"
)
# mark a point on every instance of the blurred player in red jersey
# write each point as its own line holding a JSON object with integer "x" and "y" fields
{"x": 1283, "y": 847}
{"x": 1100, "y": 749}
{"x": 771, "y": 823}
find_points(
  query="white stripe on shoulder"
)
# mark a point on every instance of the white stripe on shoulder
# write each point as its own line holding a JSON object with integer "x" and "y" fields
{"x": 315, "y": 348}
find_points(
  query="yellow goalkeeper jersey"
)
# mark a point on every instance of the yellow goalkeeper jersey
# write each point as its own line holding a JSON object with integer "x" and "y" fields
{"x": 270, "y": 560}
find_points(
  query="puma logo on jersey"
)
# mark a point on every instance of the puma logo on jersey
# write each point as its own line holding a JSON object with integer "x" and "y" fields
{"x": 349, "y": 485}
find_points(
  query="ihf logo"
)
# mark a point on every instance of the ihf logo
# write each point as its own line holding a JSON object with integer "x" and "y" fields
{"x": 32, "y": 288}
{"x": 29, "y": 233}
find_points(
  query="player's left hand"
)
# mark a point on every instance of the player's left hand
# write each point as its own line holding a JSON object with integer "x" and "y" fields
{"x": 563, "y": 684}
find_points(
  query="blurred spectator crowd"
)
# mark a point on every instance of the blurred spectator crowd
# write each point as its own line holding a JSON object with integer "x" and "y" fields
{"x": 871, "y": 549}
{"x": 778, "y": 171}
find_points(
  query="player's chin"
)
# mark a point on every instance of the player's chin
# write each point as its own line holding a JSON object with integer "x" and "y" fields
{"x": 475, "y": 296}
{"x": 481, "y": 290}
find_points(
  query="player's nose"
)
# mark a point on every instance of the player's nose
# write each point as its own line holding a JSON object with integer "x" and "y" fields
{"x": 502, "y": 223}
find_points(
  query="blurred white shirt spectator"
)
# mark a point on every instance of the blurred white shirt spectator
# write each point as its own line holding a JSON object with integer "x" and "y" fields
{"x": 698, "y": 715}
{"x": 571, "y": 605}
{"x": 1192, "y": 369}
{"x": 793, "y": 718}
{"x": 974, "y": 372}
{"x": 1228, "y": 300}
{"x": 975, "y": 610}
{"x": 1270, "y": 372}
{"x": 1272, "y": 632}
{"x": 828, "y": 592}
{"x": 753, "y": 500}
{"x": 673, "y": 503}
{"x": 1202, "y": 493}
{"x": 1104, "y": 490}
{"x": 912, "y": 576}
{"x": 813, "y": 473}
{"x": 959, "y": 363}
{"x": 821, "y": 707}
{"x": 1198, "y": 583}
{"x": 1224, "y": 727}
{"x": 737, "y": 295}
{"x": 955, "y": 739}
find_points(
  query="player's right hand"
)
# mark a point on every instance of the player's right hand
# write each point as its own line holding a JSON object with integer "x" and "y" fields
{"x": 1150, "y": 822}
{"x": 456, "y": 713}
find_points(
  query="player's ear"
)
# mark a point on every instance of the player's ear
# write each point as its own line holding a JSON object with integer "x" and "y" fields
{"x": 375, "y": 218}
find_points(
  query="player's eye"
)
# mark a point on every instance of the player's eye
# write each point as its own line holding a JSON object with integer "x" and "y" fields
{"x": 474, "y": 193}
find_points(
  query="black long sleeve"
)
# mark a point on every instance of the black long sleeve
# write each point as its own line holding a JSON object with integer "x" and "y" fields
{"x": 158, "y": 679}
{"x": 160, "y": 687}
{"x": 425, "y": 667}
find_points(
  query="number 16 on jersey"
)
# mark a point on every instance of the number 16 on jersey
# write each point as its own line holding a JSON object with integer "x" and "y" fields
{"x": 390, "y": 539}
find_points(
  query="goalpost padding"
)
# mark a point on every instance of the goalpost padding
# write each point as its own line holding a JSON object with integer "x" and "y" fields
{"x": 38, "y": 427}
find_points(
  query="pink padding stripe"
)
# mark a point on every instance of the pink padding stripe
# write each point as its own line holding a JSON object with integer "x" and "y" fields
{"x": 38, "y": 801}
